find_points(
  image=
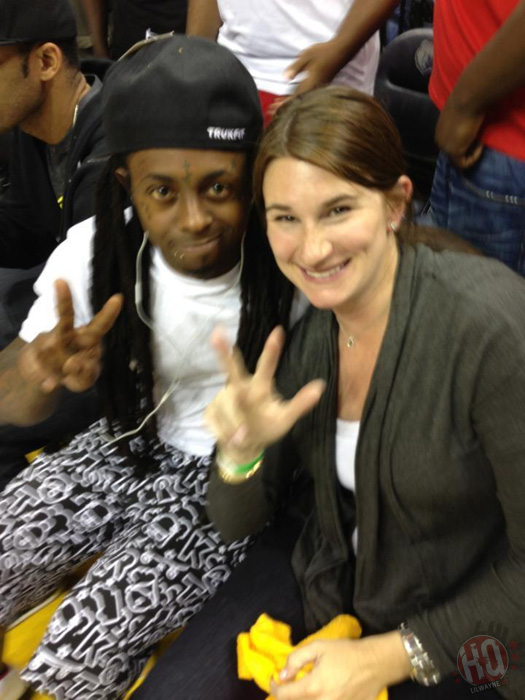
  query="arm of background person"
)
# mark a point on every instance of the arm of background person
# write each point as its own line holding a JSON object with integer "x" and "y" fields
{"x": 80, "y": 203}
{"x": 25, "y": 241}
{"x": 203, "y": 18}
{"x": 21, "y": 402}
{"x": 96, "y": 12}
{"x": 22, "y": 245}
{"x": 323, "y": 61}
{"x": 493, "y": 73}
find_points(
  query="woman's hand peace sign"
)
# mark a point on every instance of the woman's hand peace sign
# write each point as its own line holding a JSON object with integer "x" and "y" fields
{"x": 67, "y": 355}
{"x": 248, "y": 414}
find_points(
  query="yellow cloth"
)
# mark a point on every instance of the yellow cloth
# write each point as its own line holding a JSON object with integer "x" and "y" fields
{"x": 22, "y": 639}
{"x": 33, "y": 455}
{"x": 262, "y": 652}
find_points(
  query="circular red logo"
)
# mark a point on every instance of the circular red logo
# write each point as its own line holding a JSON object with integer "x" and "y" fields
{"x": 483, "y": 659}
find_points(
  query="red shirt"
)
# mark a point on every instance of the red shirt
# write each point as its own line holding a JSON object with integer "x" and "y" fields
{"x": 461, "y": 30}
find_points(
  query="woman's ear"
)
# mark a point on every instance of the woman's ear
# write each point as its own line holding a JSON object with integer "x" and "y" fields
{"x": 404, "y": 184}
{"x": 122, "y": 175}
{"x": 400, "y": 197}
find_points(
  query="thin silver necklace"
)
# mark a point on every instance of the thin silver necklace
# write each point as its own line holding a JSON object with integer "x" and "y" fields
{"x": 351, "y": 339}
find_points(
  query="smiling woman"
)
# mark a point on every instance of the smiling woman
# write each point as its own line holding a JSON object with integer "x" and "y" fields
{"x": 333, "y": 201}
{"x": 397, "y": 425}
{"x": 334, "y": 204}
{"x": 339, "y": 250}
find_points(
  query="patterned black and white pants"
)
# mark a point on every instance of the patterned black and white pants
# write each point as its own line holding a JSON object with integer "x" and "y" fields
{"x": 161, "y": 559}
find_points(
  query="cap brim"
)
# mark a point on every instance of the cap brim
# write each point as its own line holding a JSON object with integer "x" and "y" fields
{"x": 7, "y": 42}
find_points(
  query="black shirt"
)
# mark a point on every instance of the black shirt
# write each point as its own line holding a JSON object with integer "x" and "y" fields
{"x": 132, "y": 18}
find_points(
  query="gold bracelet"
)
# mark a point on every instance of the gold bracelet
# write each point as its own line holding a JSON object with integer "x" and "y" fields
{"x": 228, "y": 472}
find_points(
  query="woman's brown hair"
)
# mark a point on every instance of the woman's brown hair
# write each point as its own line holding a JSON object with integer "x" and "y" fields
{"x": 351, "y": 136}
{"x": 340, "y": 130}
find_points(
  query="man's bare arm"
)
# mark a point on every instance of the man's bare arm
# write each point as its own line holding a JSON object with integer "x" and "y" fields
{"x": 21, "y": 402}
{"x": 96, "y": 12}
{"x": 203, "y": 18}
{"x": 32, "y": 374}
{"x": 492, "y": 74}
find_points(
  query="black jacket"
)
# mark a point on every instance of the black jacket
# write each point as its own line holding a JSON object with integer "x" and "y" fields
{"x": 31, "y": 221}
{"x": 132, "y": 18}
{"x": 440, "y": 460}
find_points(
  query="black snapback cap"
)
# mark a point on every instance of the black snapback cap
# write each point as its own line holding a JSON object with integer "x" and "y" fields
{"x": 27, "y": 21}
{"x": 180, "y": 92}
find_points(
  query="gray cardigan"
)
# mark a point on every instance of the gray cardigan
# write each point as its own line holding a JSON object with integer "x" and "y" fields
{"x": 440, "y": 463}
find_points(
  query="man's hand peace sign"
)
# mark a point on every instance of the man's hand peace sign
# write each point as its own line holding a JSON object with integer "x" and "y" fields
{"x": 248, "y": 414}
{"x": 68, "y": 356}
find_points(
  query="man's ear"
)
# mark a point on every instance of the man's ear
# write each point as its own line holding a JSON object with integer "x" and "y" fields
{"x": 49, "y": 59}
{"x": 122, "y": 175}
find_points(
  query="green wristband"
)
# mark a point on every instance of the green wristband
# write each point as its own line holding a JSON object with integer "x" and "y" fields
{"x": 244, "y": 468}
{"x": 237, "y": 470}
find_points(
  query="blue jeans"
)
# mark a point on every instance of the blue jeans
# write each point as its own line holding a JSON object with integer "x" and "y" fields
{"x": 485, "y": 205}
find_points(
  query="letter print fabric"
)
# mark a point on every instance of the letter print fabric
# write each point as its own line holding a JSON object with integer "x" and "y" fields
{"x": 161, "y": 559}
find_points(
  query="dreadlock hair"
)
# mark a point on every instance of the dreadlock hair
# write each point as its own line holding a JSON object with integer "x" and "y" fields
{"x": 127, "y": 377}
{"x": 266, "y": 294}
{"x": 340, "y": 130}
{"x": 126, "y": 382}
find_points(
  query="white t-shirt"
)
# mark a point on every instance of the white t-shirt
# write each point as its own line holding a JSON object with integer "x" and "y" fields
{"x": 268, "y": 36}
{"x": 184, "y": 311}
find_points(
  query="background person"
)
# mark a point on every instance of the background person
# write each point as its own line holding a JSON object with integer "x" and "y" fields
{"x": 55, "y": 161}
{"x": 478, "y": 83}
{"x": 56, "y": 112}
{"x": 131, "y": 20}
{"x": 291, "y": 46}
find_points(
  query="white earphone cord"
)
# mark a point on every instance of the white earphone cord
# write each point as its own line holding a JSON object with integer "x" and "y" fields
{"x": 147, "y": 322}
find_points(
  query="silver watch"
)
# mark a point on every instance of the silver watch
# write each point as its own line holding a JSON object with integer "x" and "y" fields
{"x": 423, "y": 670}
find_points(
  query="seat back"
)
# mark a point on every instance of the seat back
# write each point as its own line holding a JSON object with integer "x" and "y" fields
{"x": 95, "y": 66}
{"x": 5, "y": 148}
{"x": 402, "y": 88}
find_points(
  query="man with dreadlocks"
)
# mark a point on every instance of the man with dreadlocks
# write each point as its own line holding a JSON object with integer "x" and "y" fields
{"x": 182, "y": 116}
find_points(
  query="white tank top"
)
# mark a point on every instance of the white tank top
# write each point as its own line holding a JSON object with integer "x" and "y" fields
{"x": 347, "y": 433}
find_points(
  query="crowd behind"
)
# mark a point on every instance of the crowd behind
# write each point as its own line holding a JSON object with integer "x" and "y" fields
{"x": 258, "y": 377}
